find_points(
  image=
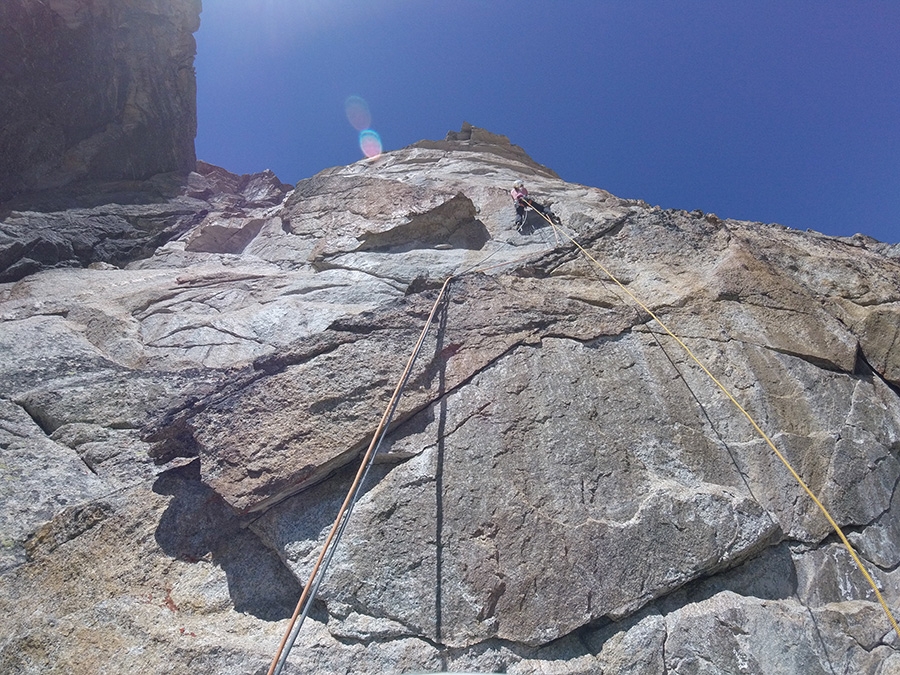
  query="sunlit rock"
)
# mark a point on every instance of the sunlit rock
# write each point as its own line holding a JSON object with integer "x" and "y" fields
{"x": 186, "y": 396}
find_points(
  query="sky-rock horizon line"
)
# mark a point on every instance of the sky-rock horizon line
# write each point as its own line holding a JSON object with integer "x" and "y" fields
{"x": 769, "y": 112}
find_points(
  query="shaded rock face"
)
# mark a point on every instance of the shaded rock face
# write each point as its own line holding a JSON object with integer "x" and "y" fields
{"x": 95, "y": 89}
{"x": 115, "y": 223}
{"x": 563, "y": 490}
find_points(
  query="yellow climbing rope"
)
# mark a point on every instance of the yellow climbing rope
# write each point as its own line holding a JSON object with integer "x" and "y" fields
{"x": 743, "y": 411}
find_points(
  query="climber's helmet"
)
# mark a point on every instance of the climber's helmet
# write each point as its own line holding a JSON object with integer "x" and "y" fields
{"x": 518, "y": 184}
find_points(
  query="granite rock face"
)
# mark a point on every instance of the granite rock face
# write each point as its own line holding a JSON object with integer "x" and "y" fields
{"x": 563, "y": 489}
{"x": 95, "y": 90}
{"x": 115, "y": 223}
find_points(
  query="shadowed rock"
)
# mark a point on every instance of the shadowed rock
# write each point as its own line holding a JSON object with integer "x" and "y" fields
{"x": 101, "y": 90}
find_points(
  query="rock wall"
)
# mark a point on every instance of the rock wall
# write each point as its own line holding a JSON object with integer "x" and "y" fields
{"x": 563, "y": 490}
{"x": 95, "y": 89}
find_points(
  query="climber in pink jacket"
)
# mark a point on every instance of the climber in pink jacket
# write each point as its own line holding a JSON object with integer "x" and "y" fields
{"x": 520, "y": 196}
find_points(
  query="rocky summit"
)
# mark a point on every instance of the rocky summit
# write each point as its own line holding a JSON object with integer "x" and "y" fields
{"x": 193, "y": 365}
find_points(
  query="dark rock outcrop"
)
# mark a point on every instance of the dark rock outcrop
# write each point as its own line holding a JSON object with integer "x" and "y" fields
{"x": 100, "y": 223}
{"x": 95, "y": 90}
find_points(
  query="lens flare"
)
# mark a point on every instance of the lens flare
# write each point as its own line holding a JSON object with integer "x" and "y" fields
{"x": 360, "y": 118}
{"x": 370, "y": 143}
{"x": 358, "y": 112}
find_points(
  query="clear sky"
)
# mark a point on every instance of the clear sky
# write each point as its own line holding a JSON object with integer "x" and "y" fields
{"x": 782, "y": 111}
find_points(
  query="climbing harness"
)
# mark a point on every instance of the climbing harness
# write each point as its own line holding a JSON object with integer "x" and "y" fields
{"x": 531, "y": 207}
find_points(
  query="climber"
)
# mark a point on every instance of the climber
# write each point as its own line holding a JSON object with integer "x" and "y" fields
{"x": 520, "y": 196}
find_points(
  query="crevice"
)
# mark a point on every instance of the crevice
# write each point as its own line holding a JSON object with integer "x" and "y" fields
{"x": 561, "y": 255}
{"x": 818, "y": 631}
{"x": 354, "y": 452}
{"x": 833, "y": 539}
{"x": 886, "y": 570}
{"x": 66, "y": 525}
{"x": 142, "y": 312}
{"x": 189, "y": 329}
{"x": 518, "y": 651}
{"x": 748, "y": 300}
{"x": 215, "y": 279}
{"x": 326, "y": 264}
{"x": 37, "y": 416}
{"x": 864, "y": 367}
{"x": 170, "y": 432}
{"x": 665, "y": 640}
{"x": 313, "y": 289}
{"x": 87, "y": 464}
{"x": 653, "y": 328}
{"x": 722, "y": 442}
{"x": 818, "y": 362}
{"x": 61, "y": 313}
{"x": 602, "y": 304}
{"x": 318, "y": 345}
{"x": 874, "y": 302}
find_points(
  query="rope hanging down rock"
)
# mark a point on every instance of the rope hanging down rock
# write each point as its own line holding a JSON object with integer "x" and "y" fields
{"x": 330, "y": 545}
{"x": 343, "y": 517}
{"x": 765, "y": 437}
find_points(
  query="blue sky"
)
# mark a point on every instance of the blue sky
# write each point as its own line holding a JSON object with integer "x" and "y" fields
{"x": 774, "y": 111}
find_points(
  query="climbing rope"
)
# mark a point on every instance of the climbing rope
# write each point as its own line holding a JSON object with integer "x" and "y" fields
{"x": 343, "y": 517}
{"x": 318, "y": 572}
{"x": 746, "y": 414}
{"x": 531, "y": 206}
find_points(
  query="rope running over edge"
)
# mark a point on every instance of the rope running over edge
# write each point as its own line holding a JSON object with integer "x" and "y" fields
{"x": 765, "y": 437}
{"x": 308, "y": 595}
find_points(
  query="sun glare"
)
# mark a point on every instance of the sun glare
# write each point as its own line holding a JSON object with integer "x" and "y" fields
{"x": 360, "y": 118}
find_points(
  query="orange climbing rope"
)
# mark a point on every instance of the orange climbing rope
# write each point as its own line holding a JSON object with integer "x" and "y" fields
{"x": 340, "y": 522}
{"x": 318, "y": 571}
{"x": 746, "y": 414}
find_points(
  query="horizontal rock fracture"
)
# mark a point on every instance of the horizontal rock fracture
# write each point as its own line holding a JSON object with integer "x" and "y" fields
{"x": 331, "y": 542}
